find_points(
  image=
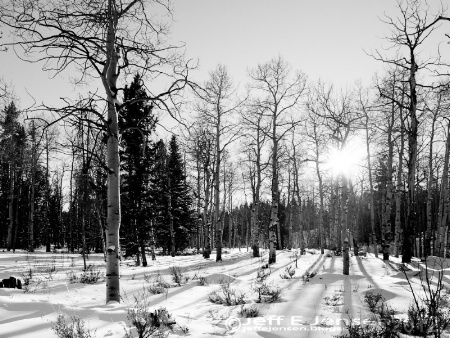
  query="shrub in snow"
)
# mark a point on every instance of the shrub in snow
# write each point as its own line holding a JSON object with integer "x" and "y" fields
{"x": 73, "y": 329}
{"x": 226, "y": 296}
{"x": 307, "y": 276}
{"x": 156, "y": 289}
{"x": 90, "y": 276}
{"x": 72, "y": 276}
{"x": 159, "y": 286}
{"x": 373, "y": 300}
{"x": 202, "y": 281}
{"x": 27, "y": 277}
{"x": 262, "y": 274}
{"x": 31, "y": 283}
{"x": 289, "y": 272}
{"x": 373, "y": 329}
{"x": 145, "y": 321}
{"x": 177, "y": 275}
{"x": 429, "y": 312}
{"x": 267, "y": 293}
{"x": 249, "y": 311}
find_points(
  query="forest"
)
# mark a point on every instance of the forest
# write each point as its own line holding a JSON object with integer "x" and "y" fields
{"x": 282, "y": 162}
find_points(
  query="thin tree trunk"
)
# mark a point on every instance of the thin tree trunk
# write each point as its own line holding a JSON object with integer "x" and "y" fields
{"x": 372, "y": 198}
{"x": 427, "y": 243}
{"x": 319, "y": 178}
{"x": 171, "y": 229}
{"x": 198, "y": 223}
{"x": 32, "y": 189}
{"x": 207, "y": 241}
{"x": 109, "y": 78}
{"x": 408, "y": 233}
{"x": 344, "y": 226}
{"x": 443, "y": 201}
{"x": 218, "y": 235}
{"x": 388, "y": 199}
{"x": 85, "y": 193}
{"x": 274, "y": 209}
{"x": 398, "y": 197}
{"x": 336, "y": 216}
{"x": 11, "y": 203}
{"x": 47, "y": 196}
{"x": 255, "y": 208}
{"x": 289, "y": 205}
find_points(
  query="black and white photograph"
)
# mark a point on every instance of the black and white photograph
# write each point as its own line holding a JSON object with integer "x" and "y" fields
{"x": 224, "y": 168}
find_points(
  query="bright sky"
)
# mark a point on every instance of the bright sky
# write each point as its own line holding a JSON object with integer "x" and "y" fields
{"x": 323, "y": 38}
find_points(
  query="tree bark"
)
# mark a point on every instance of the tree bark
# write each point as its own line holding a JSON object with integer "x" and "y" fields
{"x": 344, "y": 226}
{"x": 388, "y": 197}
{"x": 443, "y": 201}
{"x": 398, "y": 196}
{"x": 274, "y": 208}
{"x": 113, "y": 219}
{"x": 427, "y": 244}
{"x": 372, "y": 198}
{"x": 207, "y": 241}
{"x": 32, "y": 188}
{"x": 321, "y": 194}
{"x": 408, "y": 233}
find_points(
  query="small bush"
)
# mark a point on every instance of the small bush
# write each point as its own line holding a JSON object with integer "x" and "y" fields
{"x": 372, "y": 330}
{"x": 372, "y": 299}
{"x": 27, "y": 277}
{"x": 91, "y": 275}
{"x": 162, "y": 282}
{"x": 203, "y": 281}
{"x": 31, "y": 283}
{"x": 226, "y": 296}
{"x": 262, "y": 275}
{"x": 249, "y": 312}
{"x": 429, "y": 313}
{"x": 159, "y": 285}
{"x": 267, "y": 293}
{"x": 156, "y": 289}
{"x": 333, "y": 300}
{"x": 289, "y": 272}
{"x": 307, "y": 276}
{"x": 214, "y": 297}
{"x": 177, "y": 275}
{"x": 184, "y": 329}
{"x": 49, "y": 272}
{"x": 72, "y": 276}
{"x": 74, "y": 329}
{"x": 145, "y": 321}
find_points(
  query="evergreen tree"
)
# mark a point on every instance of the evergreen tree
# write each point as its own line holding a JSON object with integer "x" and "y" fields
{"x": 171, "y": 202}
{"x": 159, "y": 196}
{"x": 12, "y": 151}
{"x": 181, "y": 201}
{"x": 136, "y": 123}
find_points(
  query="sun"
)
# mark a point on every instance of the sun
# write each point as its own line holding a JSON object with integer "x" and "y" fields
{"x": 348, "y": 160}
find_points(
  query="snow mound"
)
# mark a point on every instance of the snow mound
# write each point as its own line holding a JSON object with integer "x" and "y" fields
{"x": 219, "y": 278}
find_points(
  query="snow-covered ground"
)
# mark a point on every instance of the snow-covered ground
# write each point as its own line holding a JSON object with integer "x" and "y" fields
{"x": 304, "y": 311}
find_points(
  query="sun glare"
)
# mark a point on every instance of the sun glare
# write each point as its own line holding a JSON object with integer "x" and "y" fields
{"x": 347, "y": 161}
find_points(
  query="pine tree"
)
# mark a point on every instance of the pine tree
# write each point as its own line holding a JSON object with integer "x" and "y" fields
{"x": 181, "y": 201}
{"x": 13, "y": 142}
{"x": 136, "y": 122}
{"x": 171, "y": 201}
